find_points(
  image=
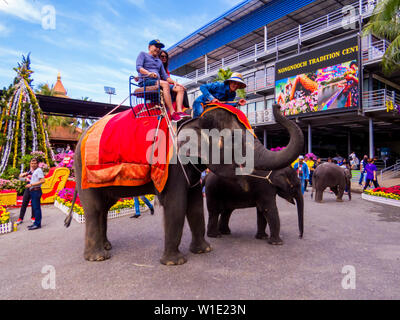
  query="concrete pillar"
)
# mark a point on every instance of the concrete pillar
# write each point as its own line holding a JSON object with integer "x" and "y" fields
{"x": 371, "y": 138}
{"x": 309, "y": 139}
{"x": 265, "y": 138}
{"x": 265, "y": 38}
{"x": 348, "y": 143}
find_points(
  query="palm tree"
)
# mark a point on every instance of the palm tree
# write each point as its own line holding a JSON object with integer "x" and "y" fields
{"x": 223, "y": 75}
{"x": 44, "y": 89}
{"x": 385, "y": 24}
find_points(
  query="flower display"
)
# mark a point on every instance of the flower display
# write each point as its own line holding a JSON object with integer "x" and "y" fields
{"x": 66, "y": 195}
{"x": 4, "y": 215}
{"x": 21, "y": 125}
{"x": 389, "y": 193}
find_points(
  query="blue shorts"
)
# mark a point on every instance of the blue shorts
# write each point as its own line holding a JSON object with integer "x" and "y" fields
{"x": 148, "y": 82}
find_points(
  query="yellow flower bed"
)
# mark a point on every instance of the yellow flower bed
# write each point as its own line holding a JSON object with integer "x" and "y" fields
{"x": 382, "y": 194}
{"x": 4, "y": 215}
{"x": 121, "y": 204}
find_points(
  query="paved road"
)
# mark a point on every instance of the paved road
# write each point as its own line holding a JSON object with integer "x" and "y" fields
{"x": 357, "y": 233}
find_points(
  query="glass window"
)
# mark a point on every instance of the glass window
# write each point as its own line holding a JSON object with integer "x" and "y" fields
{"x": 260, "y": 106}
{"x": 243, "y": 109}
{"x": 251, "y": 107}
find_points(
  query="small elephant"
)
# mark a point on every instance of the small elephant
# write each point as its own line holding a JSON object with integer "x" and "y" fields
{"x": 225, "y": 195}
{"x": 331, "y": 175}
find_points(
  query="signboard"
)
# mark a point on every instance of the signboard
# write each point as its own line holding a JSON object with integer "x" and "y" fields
{"x": 319, "y": 80}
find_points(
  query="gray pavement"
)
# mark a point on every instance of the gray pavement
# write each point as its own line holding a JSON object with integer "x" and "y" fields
{"x": 360, "y": 234}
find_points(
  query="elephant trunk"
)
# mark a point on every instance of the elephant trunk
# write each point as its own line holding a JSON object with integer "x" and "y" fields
{"x": 300, "y": 212}
{"x": 271, "y": 160}
{"x": 349, "y": 190}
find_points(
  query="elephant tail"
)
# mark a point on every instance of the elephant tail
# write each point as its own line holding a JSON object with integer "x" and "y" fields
{"x": 68, "y": 219}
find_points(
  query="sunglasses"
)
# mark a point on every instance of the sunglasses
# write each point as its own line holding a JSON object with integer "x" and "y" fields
{"x": 163, "y": 56}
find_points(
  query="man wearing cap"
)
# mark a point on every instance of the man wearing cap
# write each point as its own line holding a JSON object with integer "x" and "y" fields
{"x": 151, "y": 70}
{"x": 219, "y": 91}
{"x": 302, "y": 172}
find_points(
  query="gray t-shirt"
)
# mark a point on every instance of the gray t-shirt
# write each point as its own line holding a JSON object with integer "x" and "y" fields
{"x": 36, "y": 176}
{"x": 151, "y": 64}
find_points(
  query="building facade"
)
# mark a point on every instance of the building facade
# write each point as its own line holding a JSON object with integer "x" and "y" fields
{"x": 302, "y": 53}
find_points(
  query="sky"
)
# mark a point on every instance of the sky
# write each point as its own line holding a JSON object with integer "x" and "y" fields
{"x": 93, "y": 43}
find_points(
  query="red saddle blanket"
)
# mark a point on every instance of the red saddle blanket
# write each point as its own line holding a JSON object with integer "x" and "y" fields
{"x": 118, "y": 149}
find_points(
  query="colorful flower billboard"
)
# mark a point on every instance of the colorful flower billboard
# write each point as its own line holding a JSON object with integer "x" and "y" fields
{"x": 319, "y": 80}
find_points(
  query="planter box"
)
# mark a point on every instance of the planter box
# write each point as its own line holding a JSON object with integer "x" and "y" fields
{"x": 5, "y": 227}
{"x": 8, "y": 198}
{"x": 391, "y": 202}
{"x": 111, "y": 214}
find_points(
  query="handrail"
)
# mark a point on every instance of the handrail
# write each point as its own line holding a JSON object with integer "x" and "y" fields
{"x": 319, "y": 25}
{"x": 379, "y": 99}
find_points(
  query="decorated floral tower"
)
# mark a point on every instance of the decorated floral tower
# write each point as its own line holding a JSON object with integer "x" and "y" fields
{"x": 21, "y": 124}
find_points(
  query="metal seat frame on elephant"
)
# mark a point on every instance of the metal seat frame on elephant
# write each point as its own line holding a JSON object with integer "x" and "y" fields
{"x": 148, "y": 101}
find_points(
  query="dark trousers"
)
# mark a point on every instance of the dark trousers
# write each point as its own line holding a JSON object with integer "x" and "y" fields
{"x": 37, "y": 211}
{"x": 25, "y": 202}
{"x": 368, "y": 181}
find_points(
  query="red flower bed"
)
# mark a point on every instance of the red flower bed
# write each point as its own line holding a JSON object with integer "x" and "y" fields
{"x": 394, "y": 190}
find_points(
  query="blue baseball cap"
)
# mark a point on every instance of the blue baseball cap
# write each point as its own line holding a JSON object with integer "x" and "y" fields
{"x": 156, "y": 43}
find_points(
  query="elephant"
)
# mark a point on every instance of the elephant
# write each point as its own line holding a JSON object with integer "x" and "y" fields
{"x": 182, "y": 194}
{"x": 225, "y": 195}
{"x": 331, "y": 175}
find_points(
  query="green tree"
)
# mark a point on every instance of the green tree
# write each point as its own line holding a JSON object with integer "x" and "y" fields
{"x": 385, "y": 24}
{"x": 223, "y": 75}
{"x": 44, "y": 89}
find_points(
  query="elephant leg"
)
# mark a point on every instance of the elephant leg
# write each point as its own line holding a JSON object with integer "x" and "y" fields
{"x": 212, "y": 225}
{"x": 103, "y": 220}
{"x": 271, "y": 213}
{"x": 223, "y": 224}
{"x": 95, "y": 234}
{"x": 318, "y": 195}
{"x": 340, "y": 192}
{"x": 195, "y": 216}
{"x": 261, "y": 225}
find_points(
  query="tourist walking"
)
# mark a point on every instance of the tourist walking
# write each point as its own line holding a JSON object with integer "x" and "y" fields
{"x": 363, "y": 164}
{"x": 371, "y": 171}
{"x": 35, "y": 189}
{"x": 302, "y": 172}
{"x": 25, "y": 176}
{"x": 137, "y": 206}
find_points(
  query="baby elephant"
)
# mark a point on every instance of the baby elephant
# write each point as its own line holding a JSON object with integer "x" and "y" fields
{"x": 331, "y": 175}
{"x": 225, "y": 195}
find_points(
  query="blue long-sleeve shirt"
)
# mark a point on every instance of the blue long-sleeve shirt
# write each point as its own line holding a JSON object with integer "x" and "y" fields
{"x": 151, "y": 64}
{"x": 302, "y": 172}
{"x": 216, "y": 90}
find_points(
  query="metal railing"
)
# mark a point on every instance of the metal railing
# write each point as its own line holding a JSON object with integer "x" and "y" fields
{"x": 390, "y": 172}
{"x": 337, "y": 19}
{"x": 261, "y": 117}
{"x": 380, "y": 100}
{"x": 375, "y": 51}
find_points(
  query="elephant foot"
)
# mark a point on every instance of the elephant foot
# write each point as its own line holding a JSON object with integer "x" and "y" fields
{"x": 200, "y": 248}
{"x": 339, "y": 200}
{"x": 261, "y": 236}
{"x": 173, "y": 259}
{"x": 214, "y": 234}
{"x": 97, "y": 255}
{"x": 107, "y": 245}
{"x": 275, "y": 241}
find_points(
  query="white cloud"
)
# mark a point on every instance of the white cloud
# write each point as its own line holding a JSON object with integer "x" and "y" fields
{"x": 4, "y": 31}
{"x": 28, "y": 11}
{"x": 138, "y": 3}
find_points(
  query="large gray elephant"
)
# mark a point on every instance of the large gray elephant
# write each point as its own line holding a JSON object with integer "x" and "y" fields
{"x": 331, "y": 175}
{"x": 182, "y": 194}
{"x": 226, "y": 195}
